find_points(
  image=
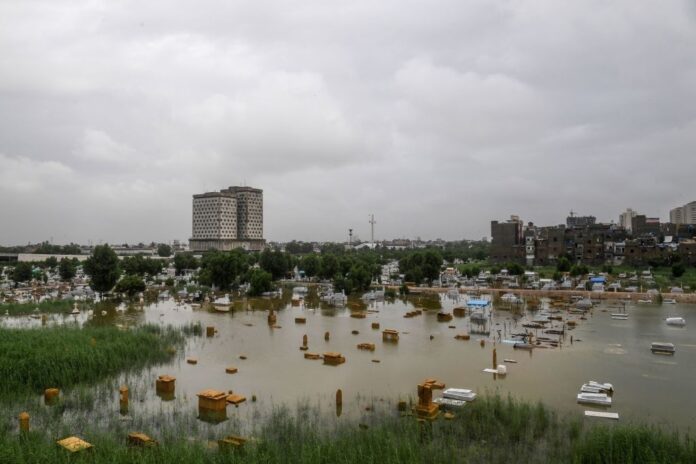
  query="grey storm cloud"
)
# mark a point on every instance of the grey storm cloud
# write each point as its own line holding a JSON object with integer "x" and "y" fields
{"x": 435, "y": 116}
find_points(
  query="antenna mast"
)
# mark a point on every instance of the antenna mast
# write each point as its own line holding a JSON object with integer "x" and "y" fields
{"x": 372, "y": 229}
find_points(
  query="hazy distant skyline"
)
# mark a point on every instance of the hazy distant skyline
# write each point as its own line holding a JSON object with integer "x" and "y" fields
{"x": 435, "y": 116}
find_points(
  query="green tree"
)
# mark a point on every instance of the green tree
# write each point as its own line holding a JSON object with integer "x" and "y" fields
{"x": 329, "y": 266}
{"x": 275, "y": 262}
{"x": 420, "y": 265}
{"x": 259, "y": 281}
{"x": 139, "y": 265}
{"x": 563, "y": 264}
{"x": 102, "y": 268}
{"x": 360, "y": 276}
{"x": 222, "y": 269}
{"x": 130, "y": 285}
{"x": 295, "y": 247}
{"x": 515, "y": 269}
{"x": 185, "y": 261}
{"x": 66, "y": 269}
{"x": 578, "y": 270}
{"x": 22, "y": 272}
{"x": 311, "y": 265}
{"x": 164, "y": 250}
{"x": 678, "y": 270}
{"x": 51, "y": 262}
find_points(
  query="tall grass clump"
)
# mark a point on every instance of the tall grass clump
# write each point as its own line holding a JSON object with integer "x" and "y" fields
{"x": 57, "y": 306}
{"x": 62, "y": 356}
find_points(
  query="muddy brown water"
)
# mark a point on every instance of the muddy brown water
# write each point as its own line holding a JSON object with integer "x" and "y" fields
{"x": 653, "y": 388}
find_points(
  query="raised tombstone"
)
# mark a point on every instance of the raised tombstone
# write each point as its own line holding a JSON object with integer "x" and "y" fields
{"x": 23, "y": 421}
{"x": 426, "y": 409}
{"x": 210, "y": 331}
{"x": 165, "y": 384}
{"x": 123, "y": 400}
{"x": 366, "y": 346}
{"x": 51, "y": 395}
{"x": 390, "y": 335}
{"x": 375, "y": 325}
{"x": 235, "y": 399}
{"x": 312, "y": 356}
{"x": 333, "y": 358}
{"x": 212, "y": 400}
{"x": 74, "y": 444}
{"x": 444, "y": 317}
{"x": 300, "y": 320}
{"x": 231, "y": 370}
{"x": 327, "y": 336}
{"x": 271, "y": 318}
{"x": 459, "y": 311}
{"x": 231, "y": 443}
{"x": 140, "y": 439}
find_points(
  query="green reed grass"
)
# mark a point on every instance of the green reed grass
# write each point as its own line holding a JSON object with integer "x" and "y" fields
{"x": 57, "y": 306}
{"x": 63, "y": 356}
{"x": 491, "y": 430}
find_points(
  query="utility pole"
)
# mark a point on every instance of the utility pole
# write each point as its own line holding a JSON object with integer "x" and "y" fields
{"x": 350, "y": 238}
{"x": 372, "y": 229}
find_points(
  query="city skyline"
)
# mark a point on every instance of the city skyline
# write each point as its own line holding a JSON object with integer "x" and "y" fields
{"x": 435, "y": 118}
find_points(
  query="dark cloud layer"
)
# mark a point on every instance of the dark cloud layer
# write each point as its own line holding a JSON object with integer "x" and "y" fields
{"x": 435, "y": 116}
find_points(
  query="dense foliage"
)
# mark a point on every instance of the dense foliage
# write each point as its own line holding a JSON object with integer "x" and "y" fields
{"x": 22, "y": 272}
{"x": 130, "y": 285}
{"x": 223, "y": 269}
{"x": 185, "y": 261}
{"x": 164, "y": 250}
{"x": 277, "y": 263}
{"x": 102, "y": 268}
{"x": 260, "y": 281}
{"x": 46, "y": 248}
{"x": 67, "y": 268}
{"x": 139, "y": 265}
{"x": 421, "y": 265}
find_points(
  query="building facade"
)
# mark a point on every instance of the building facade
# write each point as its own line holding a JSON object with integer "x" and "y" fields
{"x": 683, "y": 214}
{"x": 626, "y": 219}
{"x": 228, "y": 219}
{"x": 648, "y": 243}
{"x": 507, "y": 242}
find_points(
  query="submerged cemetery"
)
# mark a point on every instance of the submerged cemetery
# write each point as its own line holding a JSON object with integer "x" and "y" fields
{"x": 165, "y": 372}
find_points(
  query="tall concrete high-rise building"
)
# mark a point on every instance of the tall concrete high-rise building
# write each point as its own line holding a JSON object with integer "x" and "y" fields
{"x": 228, "y": 219}
{"x": 626, "y": 219}
{"x": 683, "y": 214}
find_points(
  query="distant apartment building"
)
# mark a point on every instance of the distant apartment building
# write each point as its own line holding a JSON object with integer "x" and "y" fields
{"x": 228, "y": 219}
{"x": 643, "y": 225}
{"x": 507, "y": 240}
{"x": 648, "y": 242}
{"x": 626, "y": 218}
{"x": 579, "y": 221}
{"x": 683, "y": 214}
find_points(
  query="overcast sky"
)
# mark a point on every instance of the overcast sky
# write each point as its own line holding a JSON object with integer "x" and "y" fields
{"x": 436, "y": 116}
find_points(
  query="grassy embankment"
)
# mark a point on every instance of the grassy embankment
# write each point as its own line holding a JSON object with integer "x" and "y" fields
{"x": 491, "y": 430}
{"x": 59, "y": 356}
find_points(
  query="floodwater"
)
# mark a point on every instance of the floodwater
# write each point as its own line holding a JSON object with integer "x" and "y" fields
{"x": 648, "y": 388}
